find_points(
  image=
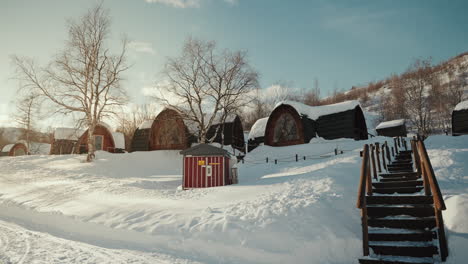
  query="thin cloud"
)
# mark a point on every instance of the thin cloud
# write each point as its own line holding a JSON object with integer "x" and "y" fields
{"x": 177, "y": 3}
{"x": 186, "y": 3}
{"x": 142, "y": 47}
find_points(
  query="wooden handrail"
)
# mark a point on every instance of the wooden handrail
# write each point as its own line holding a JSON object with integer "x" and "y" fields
{"x": 364, "y": 175}
{"x": 429, "y": 171}
{"x": 432, "y": 186}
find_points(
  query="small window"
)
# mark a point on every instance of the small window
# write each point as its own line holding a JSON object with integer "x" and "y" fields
{"x": 98, "y": 139}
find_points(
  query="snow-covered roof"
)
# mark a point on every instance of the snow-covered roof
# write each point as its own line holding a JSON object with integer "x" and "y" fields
{"x": 7, "y": 148}
{"x": 119, "y": 140}
{"x": 146, "y": 124}
{"x": 67, "y": 133}
{"x": 461, "y": 106}
{"x": 258, "y": 129}
{"x": 392, "y": 123}
{"x": 314, "y": 112}
{"x": 217, "y": 120}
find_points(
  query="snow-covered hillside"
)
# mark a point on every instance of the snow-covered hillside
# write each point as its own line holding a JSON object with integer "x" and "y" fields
{"x": 289, "y": 212}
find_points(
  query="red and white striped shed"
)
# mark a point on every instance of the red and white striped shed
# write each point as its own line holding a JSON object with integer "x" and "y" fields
{"x": 206, "y": 166}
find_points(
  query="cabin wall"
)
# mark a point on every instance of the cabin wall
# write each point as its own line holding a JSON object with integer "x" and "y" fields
{"x": 62, "y": 146}
{"x": 460, "y": 122}
{"x": 141, "y": 140}
{"x": 108, "y": 144}
{"x": 233, "y": 134}
{"x": 170, "y": 132}
{"x": 284, "y": 127}
{"x": 347, "y": 124}
{"x": 398, "y": 131}
{"x": 195, "y": 171}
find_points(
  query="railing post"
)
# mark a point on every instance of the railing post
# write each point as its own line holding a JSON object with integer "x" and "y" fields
{"x": 383, "y": 158}
{"x": 387, "y": 148}
{"x": 404, "y": 143}
{"x": 395, "y": 143}
{"x": 441, "y": 235}
{"x": 393, "y": 152}
{"x": 374, "y": 169}
{"x": 377, "y": 152}
{"x": 417, "y": 160}
{"x": 362, "y": 203}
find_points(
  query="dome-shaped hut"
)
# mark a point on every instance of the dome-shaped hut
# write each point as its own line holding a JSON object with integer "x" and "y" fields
{"x": 392, "y": 128}
{"x": 460, "y": 119}
{"x": 16, "y": 149}
{"x": 105, "y": 139}
{"x": 170, "y": 131}
{"x": 257, "y": 134}
{"x": 141, "y": 140}
{"x": 292, "y": 123}
{"x": 228, "y": 133}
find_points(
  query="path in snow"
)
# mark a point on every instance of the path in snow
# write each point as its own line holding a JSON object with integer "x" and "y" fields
{"x": 19, "y": 245}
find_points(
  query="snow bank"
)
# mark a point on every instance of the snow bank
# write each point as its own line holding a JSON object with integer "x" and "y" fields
{"x": 461, "y": 106}
{"x": 392, "y": 123}
{"x": 289, "y": 212}
{"x": 314, "y": 112}
{"x": 258, "y": 129}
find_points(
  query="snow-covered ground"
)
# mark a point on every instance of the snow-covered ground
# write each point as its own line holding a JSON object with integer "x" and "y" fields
{"x": 129, "y": 207}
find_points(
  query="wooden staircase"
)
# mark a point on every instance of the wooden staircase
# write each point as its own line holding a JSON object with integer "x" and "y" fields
{"x": 401, "y": 213}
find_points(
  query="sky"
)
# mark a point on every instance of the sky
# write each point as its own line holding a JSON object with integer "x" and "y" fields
{"x": 341, "y": 43}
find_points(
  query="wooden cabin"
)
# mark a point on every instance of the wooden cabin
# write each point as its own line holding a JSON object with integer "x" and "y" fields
{"x": 65, "y": 140}
{"x": 207, "y": 166}
{"x": 460, "y": 119}
{"x": 16, "y": 149}
{"x": 105, "y": 139}
{"x": 170, "y": 131}
{"x": 292, "y": 123}
{"x": 393, "y": 128}
{"x": 228, "y": 133}
{"x": 141, "y": 140}
{"x": 257, "y": 134}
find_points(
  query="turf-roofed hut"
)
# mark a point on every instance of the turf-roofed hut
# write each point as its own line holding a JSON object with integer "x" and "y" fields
{"x": 170, "y": 131}
{"x": 16, "y": 149}
{"x": 228, "y": 133}
{"x": 257, "y": 134}
{"x": 65, "y": 140}
{"x": 292, "y": 123}
{"x": 105, "y": 139}
{"x": 141, "y": 140}
{"x": 393, "y": 128}
{"x": 460, "y": 119}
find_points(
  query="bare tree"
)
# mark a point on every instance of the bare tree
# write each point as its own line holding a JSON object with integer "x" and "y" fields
{"x": 418, "y": 79}
{"x": 27, "y": 111}
{"x": 206, "y": 86}
{"x": 312, "y": 97}
{"x": 129, "y": 121}
{"x": 84, "y": 78}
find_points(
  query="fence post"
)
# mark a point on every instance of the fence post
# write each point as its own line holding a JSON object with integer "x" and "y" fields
{"x": 377, "y": 152}
{"x": 336, "y": 151}
{"x": 304, "y": 157}
{"x": 297, "y": 158}
{"x": 276, "y": 161}
{"x": 374, "y": 169}
{"x": 267, "y": 160}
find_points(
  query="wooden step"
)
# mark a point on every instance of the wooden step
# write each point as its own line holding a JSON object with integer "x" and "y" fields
{"x": 416, "y": 211}
{"x": 421, "y": 223}
{"x": 383, "y": 261}
{"x": 399, "y": 174}
{"x": 371, "y": 200}
{"x": 402, "y": 190}
{"x": 391, "y": 184}
{"x": 410, "y": 251}
{"x": 402, "y": 161}
{"x": 416, "y": 236}
{"x": 398, "y": 170}
{"x": 399, "y": 179}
